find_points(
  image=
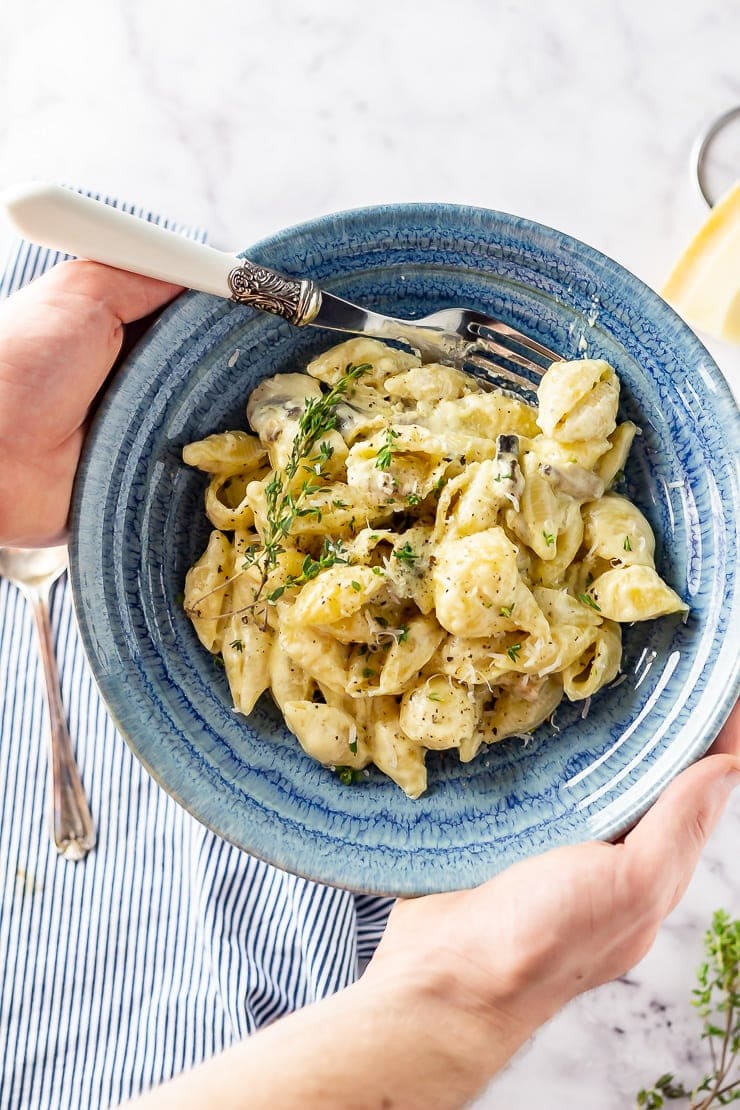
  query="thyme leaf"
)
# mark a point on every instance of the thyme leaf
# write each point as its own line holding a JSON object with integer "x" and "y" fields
{"x": 386, "y": 452}
{"x": 405, "y": 554}
{"x": 588, "y": 600}
{"x": 348, "y": 776}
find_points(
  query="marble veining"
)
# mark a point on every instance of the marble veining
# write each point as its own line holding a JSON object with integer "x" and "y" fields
{"x": 576, "y": 115}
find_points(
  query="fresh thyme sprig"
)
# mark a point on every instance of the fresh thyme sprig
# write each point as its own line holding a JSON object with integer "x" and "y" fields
{"x": 717, "y": 1000}
{"x": 332, "y": 552}
{"x": 283, "y": 506}
{"x": 385, "y": 454}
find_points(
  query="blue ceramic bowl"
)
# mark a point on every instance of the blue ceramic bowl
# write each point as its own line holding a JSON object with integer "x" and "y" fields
{"x": 138, "y": 524}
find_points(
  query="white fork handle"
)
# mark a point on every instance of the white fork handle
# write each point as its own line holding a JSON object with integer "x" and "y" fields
{"x": 66, "y": 221}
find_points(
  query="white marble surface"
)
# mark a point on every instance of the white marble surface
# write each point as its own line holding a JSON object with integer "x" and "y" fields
{"x": 246, "y": 118}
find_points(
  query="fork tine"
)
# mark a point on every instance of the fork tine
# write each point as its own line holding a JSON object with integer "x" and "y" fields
{"x": 479, "y": 328}
{"x": 502, "y": 377}
{"x": 488, "y": 348}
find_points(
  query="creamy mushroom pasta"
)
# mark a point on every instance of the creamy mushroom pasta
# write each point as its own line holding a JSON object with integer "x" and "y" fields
{"x": 408, "y": 562}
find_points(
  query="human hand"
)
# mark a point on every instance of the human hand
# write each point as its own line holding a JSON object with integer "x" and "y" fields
{"x": 513, "y": 951}
{"x": 59, "y": 338}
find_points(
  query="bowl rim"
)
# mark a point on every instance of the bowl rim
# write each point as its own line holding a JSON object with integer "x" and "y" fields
{"x": 405, "y": 212}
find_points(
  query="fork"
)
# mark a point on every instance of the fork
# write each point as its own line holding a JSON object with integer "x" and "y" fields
{"x": 64, "y": 220}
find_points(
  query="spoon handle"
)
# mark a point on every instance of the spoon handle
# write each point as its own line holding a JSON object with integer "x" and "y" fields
{"x": 71, "y": 823}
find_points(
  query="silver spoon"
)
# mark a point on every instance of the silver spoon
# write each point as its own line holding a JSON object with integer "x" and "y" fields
{"x": 34, "y": 571}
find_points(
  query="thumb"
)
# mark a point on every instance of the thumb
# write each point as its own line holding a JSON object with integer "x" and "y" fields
{"x": 666, "y": 844}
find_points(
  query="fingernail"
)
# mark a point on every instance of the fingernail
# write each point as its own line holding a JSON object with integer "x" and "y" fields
{"x": 732, "y": 779}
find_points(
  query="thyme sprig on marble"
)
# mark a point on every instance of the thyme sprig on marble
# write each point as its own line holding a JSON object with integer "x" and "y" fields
{"x": 717, "y": 999}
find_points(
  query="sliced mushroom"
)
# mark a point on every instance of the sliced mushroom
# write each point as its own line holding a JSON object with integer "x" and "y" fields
{"x": 277, "y": 403}
{"x": 274, "y": 410}
{"x": 573, "y": 480}
{"x": 507, "y": 471}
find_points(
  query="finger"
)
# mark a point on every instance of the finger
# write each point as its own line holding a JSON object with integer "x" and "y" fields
{"x": 128, "y": 297}
{"x": 728, "y": 740}
{"x": 663, "y": 849}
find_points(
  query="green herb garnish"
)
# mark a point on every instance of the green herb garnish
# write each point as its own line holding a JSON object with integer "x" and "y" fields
{"x": 348, "y": 776}
{"x": 627, "y": 544}
{"x": 283, "y": 506}
{"x": 405, "y": 554}
{"x": 588, "y": 600}
{"x": 325, "y": 453}
{"x": 332, "y": 552}
{"x": 513, "y": 652}
{"x": 386, "y": 452}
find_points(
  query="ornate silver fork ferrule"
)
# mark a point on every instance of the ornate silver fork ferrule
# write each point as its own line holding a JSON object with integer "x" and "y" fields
{"x": 297, "y": 300}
